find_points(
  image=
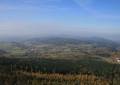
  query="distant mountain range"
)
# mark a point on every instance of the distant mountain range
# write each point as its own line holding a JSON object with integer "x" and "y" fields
{"x": 58, "y": 37}
{"x": 61, "y": 41}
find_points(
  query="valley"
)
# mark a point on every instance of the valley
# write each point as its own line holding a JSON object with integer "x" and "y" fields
{"x": 61, "y": 61}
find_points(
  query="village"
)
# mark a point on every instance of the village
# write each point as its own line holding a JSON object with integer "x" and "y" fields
{"x": 116, "y": 57}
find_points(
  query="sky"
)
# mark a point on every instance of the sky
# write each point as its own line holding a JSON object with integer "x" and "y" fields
{"x": 23, "y": 18}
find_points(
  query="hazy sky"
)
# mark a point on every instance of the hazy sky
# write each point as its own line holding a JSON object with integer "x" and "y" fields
{"x": 60, "y": 17}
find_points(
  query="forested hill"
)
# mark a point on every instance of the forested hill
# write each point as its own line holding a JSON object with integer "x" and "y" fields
{"x": 96, "y": 41}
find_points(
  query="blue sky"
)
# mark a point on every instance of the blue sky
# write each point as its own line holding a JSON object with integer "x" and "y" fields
{"x": 58, "y": 17}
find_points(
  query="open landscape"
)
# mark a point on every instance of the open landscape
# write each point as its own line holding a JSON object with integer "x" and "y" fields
{"x": 60, "y": 61}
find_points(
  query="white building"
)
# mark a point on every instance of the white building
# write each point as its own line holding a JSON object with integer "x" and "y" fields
{"x": 118, "y": 60}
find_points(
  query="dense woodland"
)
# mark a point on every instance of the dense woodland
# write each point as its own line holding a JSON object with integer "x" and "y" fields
{"x": 57, "y": 72}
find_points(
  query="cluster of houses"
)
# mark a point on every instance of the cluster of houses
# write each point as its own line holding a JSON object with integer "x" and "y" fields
{"x": 118, "y": 60}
